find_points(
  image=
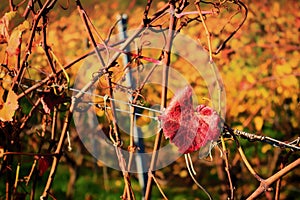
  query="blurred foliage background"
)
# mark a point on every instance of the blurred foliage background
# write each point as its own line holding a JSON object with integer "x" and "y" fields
{"x": 260, "y": 72}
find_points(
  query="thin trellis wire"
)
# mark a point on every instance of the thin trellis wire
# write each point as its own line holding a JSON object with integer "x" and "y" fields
{"x": 115, "y": 100}
{"x": 121, "y": 102}
{"x": 246, "y": 135}
{"x": 126, "y": 111}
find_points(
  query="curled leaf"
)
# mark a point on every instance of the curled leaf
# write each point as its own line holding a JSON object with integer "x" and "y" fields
{"x": 9, "y": 107}
{"x": 188, "y": 128}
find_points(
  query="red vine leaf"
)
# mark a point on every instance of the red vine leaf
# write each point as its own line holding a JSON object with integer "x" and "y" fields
{"x": 43, "y": 165}
{"x": 8, "y": 108}
{"x": 187, "y": 129}
{"x": 50, "y": 99}
{"x": 209, "y": 121}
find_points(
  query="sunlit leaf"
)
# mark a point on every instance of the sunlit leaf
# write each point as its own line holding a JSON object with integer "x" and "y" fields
{"x": 4, "y": 26}
{"x": 283, "y": 69}
{"x": 188, "y": 130}
{"x": 258, "y": 122}
{"x": 1, "y": 152}
{"x": 290, "y": 81}
{"x": 183, "y": 174}
{"x": 13, "y": 43}
{"x": 266, "y": 148}
{"x": 8, "y": 108}
{"x": 250, "y": 78}
{"x": 15, "y": 39}
{"x": 24, "y": 26}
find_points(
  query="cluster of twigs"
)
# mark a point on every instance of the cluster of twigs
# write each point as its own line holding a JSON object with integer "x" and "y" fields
{"x": 11, "y": 131}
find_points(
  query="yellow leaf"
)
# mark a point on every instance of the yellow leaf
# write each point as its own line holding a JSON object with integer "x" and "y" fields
{"x": 10, "y": 15}
{"x": 183, "y": 174}
{"x": 294, "y": 63}
{"x": 295, "y": 122}
{"x": 250, "y": 78}
{"x": 266, "y": 148}
{"x": 118, "y": 183}
{"x": 239, "y": 127}
{"x": 8, "y": 108}
{"x": 24, "y": 26}
{"x": 141, "y": 121}
{"x": 279, "y": 89}
{"x": 290, "y": 81}
{"x": 258, "y": 122}
{"x": 283, "y": 69}
{"x": 241, "y": 108}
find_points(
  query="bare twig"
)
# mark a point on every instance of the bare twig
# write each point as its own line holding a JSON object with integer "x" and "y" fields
{"x": 278, "y": 182}
{"x": 84, "y": 89}
{"x": 29, "y": 114}
{"x": 58, "y": 151}
{"x": 29, "y": 7}
{"x": 122, "y": 163}
{"x": 189, "y": 166}
{"x": 54, "y": 124}
{"x": 266, "y": 139}
{"x": 30, "y": 154}
{"x": 37, "y": 18}
{"x": 150, "y": 174}
{"x": 86, "y": 25}
{"x": 208, "y": 35}
{"x": 242, "y": 154}
{"x": 11, "y": 5}
{"x": 67, "y": 66}
{"x": 223, "y": 44}
{"x": 227, "y": 167}
{"x": 149, "y": 2}
{"x": 264, "y": 184}
{"x": 45, "y": 45}
{"x": 166, "y": 63}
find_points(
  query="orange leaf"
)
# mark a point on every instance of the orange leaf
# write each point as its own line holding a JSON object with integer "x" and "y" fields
{"x": 8, "y": 108}
{"x": 1, "y": 152}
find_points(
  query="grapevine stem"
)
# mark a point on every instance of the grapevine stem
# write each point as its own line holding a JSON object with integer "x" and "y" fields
{"x": 194, "y": 179}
